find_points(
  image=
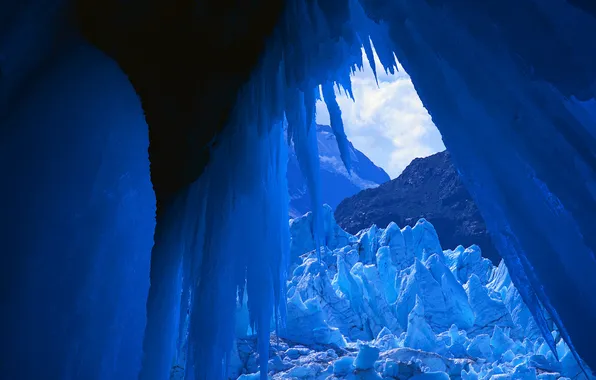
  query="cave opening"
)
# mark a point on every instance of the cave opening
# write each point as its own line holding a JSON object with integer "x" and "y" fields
{"x": 509, "y": 91}
{"x": 297, "y": 341}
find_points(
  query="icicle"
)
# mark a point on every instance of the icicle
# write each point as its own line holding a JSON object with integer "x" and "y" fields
{"x": 319, "y": 43}
{"x": 300, "y": 121}
{"x": 374, "y": 35}
{"x": 370, "y": 55}
{"x": 227, "y": 238}
{"x": 337, "y": 124}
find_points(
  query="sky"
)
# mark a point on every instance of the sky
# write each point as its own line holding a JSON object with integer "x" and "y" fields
{"x": 388, "y": 122}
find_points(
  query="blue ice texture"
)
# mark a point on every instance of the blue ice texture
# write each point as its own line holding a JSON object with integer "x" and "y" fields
{"x": 509, "y": 84}
{"x": 344, "y": 322}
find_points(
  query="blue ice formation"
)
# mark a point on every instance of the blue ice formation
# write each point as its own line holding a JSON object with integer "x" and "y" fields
{"x": 75, "y": 270}
{"x": 510, "y": 85}
{"x": 463, "y": 316}
{"x": 525, "y": 149}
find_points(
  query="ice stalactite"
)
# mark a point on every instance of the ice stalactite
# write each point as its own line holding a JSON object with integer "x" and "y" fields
{"x": 500, "y": 108}
{"x": 301, "y": 118}
{"x": 337, "y": 123}
{"x": 245, "y": 181}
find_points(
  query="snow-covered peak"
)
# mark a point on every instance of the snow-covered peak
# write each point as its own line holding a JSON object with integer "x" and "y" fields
{"x": 337, "y": 184}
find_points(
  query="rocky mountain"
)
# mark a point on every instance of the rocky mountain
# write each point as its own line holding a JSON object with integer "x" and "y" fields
{"x": 428, "y": 188}
{"x": 336, "y": 183}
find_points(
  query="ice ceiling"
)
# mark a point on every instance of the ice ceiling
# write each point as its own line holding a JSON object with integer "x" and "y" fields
{"x": 510, "y": 84}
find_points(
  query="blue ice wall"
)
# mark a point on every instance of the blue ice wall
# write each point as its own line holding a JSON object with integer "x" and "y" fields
{"x": 245, "y": 238}
{"x": 76, "y": 224}
{"x": 499, "y": 79}
{"x": 176, "y": 261}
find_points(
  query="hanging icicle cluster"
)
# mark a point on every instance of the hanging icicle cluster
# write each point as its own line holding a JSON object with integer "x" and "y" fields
{"x": 245, "y": 240}
{"x": 242, "y": 244}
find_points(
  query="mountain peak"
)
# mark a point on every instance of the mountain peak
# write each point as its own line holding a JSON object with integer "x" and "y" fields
{"x": 428, "y": 188}
{"x": 336, "y": 182}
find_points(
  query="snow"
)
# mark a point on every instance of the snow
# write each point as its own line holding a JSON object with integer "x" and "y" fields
{"x": 336, "y": 182}
{"x": 443, "y": 316}
{"x": 334, "y": 165}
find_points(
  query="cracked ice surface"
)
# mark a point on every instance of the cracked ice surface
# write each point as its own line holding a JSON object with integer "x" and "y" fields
{"x": 391, "y": 304}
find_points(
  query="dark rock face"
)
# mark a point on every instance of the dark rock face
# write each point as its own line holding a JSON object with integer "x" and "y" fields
{"x": 428, "y": 188}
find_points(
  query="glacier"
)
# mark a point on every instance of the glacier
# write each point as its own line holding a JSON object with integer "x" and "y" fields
{"x": 110, "y": 270}
{"x": 406, "y": 30}
{"x": 451, "y": 315}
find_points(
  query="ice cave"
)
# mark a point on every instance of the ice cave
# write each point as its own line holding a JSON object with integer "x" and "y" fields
{"x": 144, "y": 211}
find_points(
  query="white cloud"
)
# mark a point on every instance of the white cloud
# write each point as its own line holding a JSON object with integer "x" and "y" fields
{"x": 388, "y": 123}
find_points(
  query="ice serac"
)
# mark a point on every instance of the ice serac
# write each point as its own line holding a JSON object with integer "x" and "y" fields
{"x": 426, "y": 240}
{"x": 387, "y": 273}
{"x": 419, "y": 334}
{"x": 340, "y": 324}
{"x": 419, "y": 283}
{"x": 487, "y": 310}
{"x": 456, "y": 299}
{"x": 302, "y": 234}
